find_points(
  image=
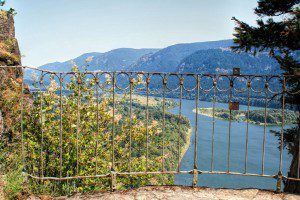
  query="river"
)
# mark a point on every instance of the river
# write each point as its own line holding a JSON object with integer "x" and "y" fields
{"x": 237, "y": 152}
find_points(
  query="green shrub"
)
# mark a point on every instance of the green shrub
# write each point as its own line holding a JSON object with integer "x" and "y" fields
{"x": 14, "y": 187}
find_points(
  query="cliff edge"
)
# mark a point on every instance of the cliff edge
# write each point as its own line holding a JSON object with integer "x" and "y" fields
{"x": 10, "y": 90}
{"x": 9, "y": 48}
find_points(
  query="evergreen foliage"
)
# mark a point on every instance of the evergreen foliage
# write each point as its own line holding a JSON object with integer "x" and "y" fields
{"x": 278, "y": 32}
{"x": 2, "y": 2}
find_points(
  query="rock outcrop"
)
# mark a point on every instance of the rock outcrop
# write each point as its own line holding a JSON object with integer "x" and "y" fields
{"x": 10, "y": 82}
{"x": 9, "y": 48}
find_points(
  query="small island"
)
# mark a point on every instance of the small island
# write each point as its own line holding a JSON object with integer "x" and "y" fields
{"x": 274, "y": 116}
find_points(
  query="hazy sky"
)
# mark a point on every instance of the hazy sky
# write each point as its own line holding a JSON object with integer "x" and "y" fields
{"x": 58, "y": 30}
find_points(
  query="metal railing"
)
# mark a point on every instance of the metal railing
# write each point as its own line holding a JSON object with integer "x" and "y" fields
{"x": 162, "y": 85}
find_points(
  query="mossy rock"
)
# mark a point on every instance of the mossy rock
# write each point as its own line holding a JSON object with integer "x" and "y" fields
{"x": 9, "y": 48}
{"x": 9, "y": 53}
{"x": 4, "y": 15}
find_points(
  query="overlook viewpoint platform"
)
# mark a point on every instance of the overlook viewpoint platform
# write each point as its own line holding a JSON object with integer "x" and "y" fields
{"x": 84, "y": 131}
{"x": 177, "y": 192}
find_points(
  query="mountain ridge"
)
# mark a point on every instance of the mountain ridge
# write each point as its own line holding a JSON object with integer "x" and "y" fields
{"x": 184, "y": 57}
{"x": 167, "y": 59}
{"x": 111, "y": 60}
{"x": 220, "y": 61}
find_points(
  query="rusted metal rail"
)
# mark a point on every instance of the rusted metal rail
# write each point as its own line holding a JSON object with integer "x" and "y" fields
{"x": 213, "y": 86}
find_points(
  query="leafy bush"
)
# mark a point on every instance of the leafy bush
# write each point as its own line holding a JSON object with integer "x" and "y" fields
{"x": 14, "y": 187}
{"x": 74, "y": 134}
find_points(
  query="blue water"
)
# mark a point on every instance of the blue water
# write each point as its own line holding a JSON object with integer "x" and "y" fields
{"x": 237, "y": 151}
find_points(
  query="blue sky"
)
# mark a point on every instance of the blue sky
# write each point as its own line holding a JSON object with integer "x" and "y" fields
{"x": 58, "y": 30}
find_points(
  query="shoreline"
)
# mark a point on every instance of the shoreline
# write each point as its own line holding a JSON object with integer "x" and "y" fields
{"x": 187, "y": 144}
{"x": 250, "y": 121}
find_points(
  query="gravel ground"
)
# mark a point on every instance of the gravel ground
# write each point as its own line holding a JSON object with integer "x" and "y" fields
{"x": 1, "y": 187}
{"x": 176, "y": 192}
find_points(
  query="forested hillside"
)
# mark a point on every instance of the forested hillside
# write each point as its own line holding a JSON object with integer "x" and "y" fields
{"x": 218, "y": 61}
{"x": 117, "y": 59}
{"x": 167, "y": 59}
{"x": 199, "y": 57}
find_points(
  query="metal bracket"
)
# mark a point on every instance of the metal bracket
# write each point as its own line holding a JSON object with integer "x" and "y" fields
{"x": 181, "y": 81}
{"x": 131, "y": 80}
{"x": 278, "y": 183}
{"x": 214, "y": 82}
{"x": 236, "y": 71}
{"x": 79, "y": 80}
{"x": 165, "y": 81}
{"x": 148, "y": 80}
{"x": 195, "y": 177}
{"x": 97, "y": 81}
{"x": 113, "y": 176}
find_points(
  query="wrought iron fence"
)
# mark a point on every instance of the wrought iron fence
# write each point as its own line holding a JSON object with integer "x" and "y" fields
{"x": 230, "y": 88}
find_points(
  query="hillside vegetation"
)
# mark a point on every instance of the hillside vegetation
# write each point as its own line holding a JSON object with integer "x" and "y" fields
{"x": 221, "y": 61}
{"x": 117, "y": 59}
{"x": 273, "y": 116}
{"x": 199, "y": 57}
{"x": 81, "y": 134}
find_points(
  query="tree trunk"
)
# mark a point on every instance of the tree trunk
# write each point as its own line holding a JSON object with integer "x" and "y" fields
{"x": 290, "y": 185}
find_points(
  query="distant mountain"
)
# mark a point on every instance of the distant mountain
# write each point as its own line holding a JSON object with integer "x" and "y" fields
{"x": 167, "y": 59}
{"x": 117, "y": 59}
{"x": 213, "y": 57}
{"x": 220, "y": 61}
{"x": 200, "y": 57}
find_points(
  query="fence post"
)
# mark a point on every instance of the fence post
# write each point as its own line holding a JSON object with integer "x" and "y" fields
{"x": 278, "y": 183}
{"x": 279, "y": 176}
{"x": 195, "y": 170}
{"x": 112, "y": 171}
{"x": 195, "y": 177}
{"x": 22, "y": 120}
{"x": 113, "y": 177}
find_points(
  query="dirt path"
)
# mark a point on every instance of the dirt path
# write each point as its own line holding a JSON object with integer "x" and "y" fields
{"x": 188, "y": 193}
